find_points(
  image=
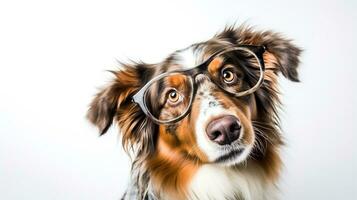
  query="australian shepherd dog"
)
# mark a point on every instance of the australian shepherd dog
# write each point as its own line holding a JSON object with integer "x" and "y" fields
{"x": 203, "y": 123}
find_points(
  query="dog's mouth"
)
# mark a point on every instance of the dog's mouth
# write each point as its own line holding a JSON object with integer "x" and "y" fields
{"x": 229, "y": 156}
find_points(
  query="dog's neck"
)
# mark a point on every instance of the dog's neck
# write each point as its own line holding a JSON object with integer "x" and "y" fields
{"x": 245, "y": 182}
{"x": 174, "y": 176}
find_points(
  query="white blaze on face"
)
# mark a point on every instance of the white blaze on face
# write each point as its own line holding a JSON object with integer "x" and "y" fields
{"x": 210, "y": 108}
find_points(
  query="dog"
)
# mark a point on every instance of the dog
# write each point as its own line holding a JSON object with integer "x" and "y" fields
{"x": 203, "y": 123}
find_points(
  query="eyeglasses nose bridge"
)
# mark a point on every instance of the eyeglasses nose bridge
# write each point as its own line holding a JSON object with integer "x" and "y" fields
{"x": 201, "y": 78}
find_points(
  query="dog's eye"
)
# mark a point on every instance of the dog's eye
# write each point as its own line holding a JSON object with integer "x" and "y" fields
{"x": 228, "y": 76}
{"x": 173, "y": 96}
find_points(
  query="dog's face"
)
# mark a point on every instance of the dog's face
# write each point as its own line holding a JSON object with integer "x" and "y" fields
{"x": 219, "y": 127}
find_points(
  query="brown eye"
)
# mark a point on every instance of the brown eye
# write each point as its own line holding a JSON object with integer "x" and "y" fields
{"x": 228, "y": 76}
{"x": 173, "y": 96}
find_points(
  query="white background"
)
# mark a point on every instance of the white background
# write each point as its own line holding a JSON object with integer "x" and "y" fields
{"x": 53, "y": 57}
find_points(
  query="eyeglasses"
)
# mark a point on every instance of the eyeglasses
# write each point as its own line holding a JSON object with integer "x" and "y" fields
{"x": 238, "y": 71}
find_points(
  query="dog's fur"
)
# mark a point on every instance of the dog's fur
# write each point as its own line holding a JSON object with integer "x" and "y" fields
{"x": 178, "y": 161}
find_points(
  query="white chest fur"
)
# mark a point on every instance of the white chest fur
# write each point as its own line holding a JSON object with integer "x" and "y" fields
{"x": 221, "y": 183}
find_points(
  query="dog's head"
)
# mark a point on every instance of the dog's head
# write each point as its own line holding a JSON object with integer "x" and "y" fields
{"x": 214, "y": 125}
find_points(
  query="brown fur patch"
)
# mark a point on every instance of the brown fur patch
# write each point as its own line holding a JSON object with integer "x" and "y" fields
{"x": 176, "y": 80}
{"x": 175, "y": 161}
{"x": 215, "y": 65}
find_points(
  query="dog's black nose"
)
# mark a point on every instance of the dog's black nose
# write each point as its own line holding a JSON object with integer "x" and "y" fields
{"x": 224, "y": 130}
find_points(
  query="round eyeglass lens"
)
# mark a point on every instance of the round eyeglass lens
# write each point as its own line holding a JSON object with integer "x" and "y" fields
{"x": 238, "y": 71}
{"x": 169, "y": 98}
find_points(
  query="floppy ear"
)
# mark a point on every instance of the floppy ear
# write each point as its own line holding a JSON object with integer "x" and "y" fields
{"x": 281, "y": 54}
{"x": 106, "y": 103}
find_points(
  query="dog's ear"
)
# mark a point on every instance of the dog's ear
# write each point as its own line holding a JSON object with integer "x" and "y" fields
{"x": 106, "y": 103}
{"x": 281, "y": 54}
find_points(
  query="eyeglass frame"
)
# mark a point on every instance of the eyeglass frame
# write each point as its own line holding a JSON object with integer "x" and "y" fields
{"x": 257, "y": 51}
